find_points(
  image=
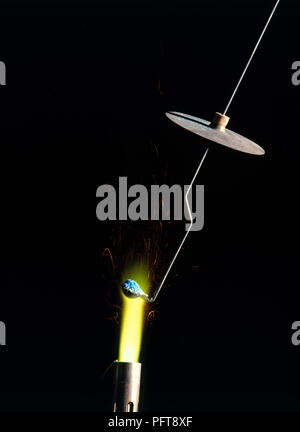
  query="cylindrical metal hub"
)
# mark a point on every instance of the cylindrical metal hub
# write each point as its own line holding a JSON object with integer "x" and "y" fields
{"x": 219, "y": 122}
{"x": 127, "y": 380}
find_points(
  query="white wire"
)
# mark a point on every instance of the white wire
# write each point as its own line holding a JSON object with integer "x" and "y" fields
{"x": 152, "y": 299}
{"x": 251, "y": 57}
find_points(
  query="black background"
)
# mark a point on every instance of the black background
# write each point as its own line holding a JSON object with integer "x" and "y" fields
{"x": 88, "y": 84}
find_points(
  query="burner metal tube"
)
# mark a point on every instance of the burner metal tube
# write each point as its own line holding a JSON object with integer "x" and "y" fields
{"x": 127, "y": 380}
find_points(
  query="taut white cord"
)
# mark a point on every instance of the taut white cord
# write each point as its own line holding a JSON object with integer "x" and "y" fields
{"x": 152, "y": 299}
{"x": 251, "y": 57}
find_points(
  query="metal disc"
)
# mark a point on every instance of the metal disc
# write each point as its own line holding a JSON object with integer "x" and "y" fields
{"x": 227, "y": 138}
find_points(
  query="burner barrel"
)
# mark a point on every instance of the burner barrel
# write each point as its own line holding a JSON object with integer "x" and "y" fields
{"x": 127, "y": 380}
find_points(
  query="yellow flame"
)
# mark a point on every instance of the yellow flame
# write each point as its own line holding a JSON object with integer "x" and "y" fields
{"x": 132, "y": 318}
